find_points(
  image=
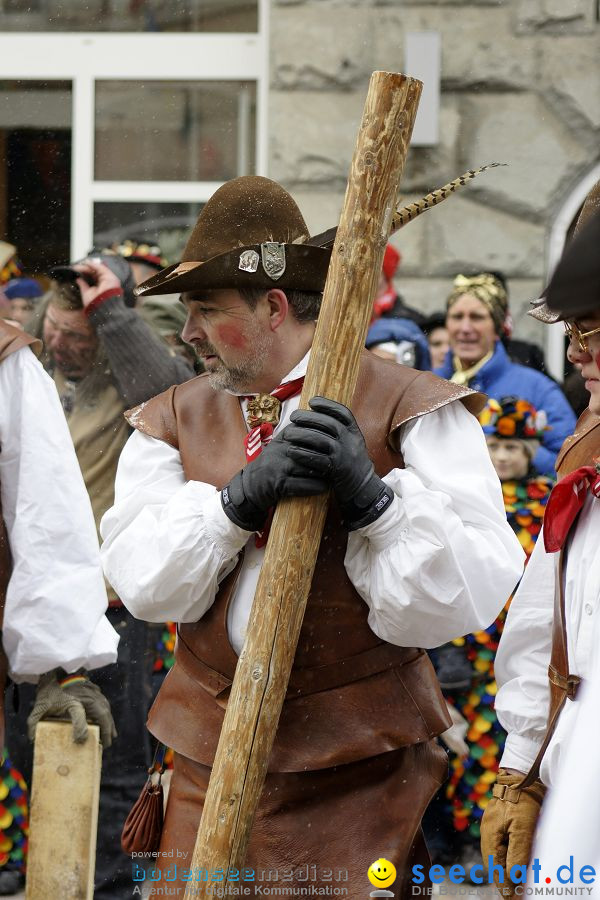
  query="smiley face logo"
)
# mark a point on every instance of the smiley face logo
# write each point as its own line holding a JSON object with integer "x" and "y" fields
{"x": 382, "y": 873}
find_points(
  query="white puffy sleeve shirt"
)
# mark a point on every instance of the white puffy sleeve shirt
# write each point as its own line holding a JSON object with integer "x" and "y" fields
{"x": 521, "y": 665}
{"x": 56, "y": 600}
{"x": 439, "y": 563}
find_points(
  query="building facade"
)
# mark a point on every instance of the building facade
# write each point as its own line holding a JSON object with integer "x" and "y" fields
{"x": 123, "y": 116}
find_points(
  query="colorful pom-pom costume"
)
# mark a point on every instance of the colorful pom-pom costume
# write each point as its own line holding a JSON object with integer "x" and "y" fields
{"x": 14, "y": 825}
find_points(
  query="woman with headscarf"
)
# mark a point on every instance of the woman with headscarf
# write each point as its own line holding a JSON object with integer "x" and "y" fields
{"x": 476, "y": 315}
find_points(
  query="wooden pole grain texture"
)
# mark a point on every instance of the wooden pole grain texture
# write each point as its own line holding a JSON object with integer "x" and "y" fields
{"x": 63, "y": 815}
{"x": 264, "y": 666}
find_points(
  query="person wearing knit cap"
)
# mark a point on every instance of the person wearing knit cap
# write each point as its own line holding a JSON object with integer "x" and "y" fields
{"x": 476, "y": 316}
{"x": 548, "y": 661}
{"x": 23, "y": 294}
{"x": 513, "y": 421}
{"x": 401, "y": 341}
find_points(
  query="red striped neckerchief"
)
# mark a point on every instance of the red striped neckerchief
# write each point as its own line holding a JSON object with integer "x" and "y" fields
{"x": 262, "y": 417}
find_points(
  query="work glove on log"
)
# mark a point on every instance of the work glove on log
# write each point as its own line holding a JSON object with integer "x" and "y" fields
{"x": 80, "y": 700}
{"x": 508, "y": 825}
{"x": 251, "y": 493}
{"x": 327, "y": 439}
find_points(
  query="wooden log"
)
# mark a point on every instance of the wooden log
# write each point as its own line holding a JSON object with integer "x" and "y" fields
{"x": 264, "y": 666}
{"x": 63, "y": 818}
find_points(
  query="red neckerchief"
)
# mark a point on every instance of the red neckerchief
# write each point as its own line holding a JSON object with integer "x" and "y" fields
{"x": 565, "y": 502}
{"x": 258, "y": 438}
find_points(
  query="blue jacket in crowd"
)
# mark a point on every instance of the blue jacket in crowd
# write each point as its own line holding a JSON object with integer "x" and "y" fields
{"x": 500, "y": 377}
{"x": 401, "y": 331}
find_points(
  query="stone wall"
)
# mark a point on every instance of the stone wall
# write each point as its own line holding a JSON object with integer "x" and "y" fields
{"x": 520, "y": 85}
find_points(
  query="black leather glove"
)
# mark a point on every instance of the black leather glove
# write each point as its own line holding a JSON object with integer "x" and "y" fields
{"x": 327, "y": 439}
{"x": 261, "y": 483}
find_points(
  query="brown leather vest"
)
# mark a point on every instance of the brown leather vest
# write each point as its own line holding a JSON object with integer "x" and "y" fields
{"x": 351, "y": 695}
{"x": 11, "y": 340}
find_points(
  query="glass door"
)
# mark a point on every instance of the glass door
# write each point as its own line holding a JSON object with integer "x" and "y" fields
{"x": 153, "y": 137}
{"x": 35, "y": 170}
{"x": 153, "y": 109}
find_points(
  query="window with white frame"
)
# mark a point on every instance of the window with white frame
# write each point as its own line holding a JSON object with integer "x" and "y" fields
{"x": 124, "y": 134}
{"x": 129, "y": 15}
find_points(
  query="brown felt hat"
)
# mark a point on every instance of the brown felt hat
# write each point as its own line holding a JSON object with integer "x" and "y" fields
{"x": 250, "y": 234}
{"x": 573, "y": 288}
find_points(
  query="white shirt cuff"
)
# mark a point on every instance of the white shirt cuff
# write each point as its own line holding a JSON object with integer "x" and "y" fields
{"x": 385, "y": 530}
{"x": 520, "y": 752}
{"x": 228, "y": 537}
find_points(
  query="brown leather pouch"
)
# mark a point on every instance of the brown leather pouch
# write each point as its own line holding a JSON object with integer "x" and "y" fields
{"x": 143, "y": 826}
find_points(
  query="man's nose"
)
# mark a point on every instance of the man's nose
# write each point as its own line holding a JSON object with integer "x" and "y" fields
{"x": 192, "y": 331}
{"x": 55, "y": 340}
{"x": 575, "y": 354}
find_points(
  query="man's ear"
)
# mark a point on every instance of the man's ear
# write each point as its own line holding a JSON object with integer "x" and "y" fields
{"x": 279, "y": 308}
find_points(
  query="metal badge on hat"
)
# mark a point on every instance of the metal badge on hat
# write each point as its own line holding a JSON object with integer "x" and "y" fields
{"x": 273, "y": 259}
{"x": 249, "y": 260}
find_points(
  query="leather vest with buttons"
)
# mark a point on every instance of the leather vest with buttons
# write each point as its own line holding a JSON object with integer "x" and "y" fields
{"x": 351, "y": 695}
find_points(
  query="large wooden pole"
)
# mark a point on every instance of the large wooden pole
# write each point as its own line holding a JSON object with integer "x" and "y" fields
{"x": 264, "y": 666}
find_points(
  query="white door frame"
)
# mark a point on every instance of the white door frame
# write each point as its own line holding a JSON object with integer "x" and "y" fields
{"x": 84, "y": 58}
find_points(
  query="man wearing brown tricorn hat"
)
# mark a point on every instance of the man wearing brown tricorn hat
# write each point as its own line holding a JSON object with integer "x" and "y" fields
{"x": 550, "y": 640}
{"x": 416, "y": 550}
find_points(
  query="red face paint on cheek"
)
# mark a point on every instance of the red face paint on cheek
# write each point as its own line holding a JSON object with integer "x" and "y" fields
{"x": 232, "y": 336}
{"x": 597, "y": 360}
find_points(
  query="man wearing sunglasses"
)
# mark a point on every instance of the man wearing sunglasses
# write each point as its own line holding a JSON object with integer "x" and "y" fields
{"x": 549, "y": 649}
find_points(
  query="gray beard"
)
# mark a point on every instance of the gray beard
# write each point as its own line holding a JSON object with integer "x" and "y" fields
{"x": 241, "y": 378}
{"x": 234, "y": 379}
